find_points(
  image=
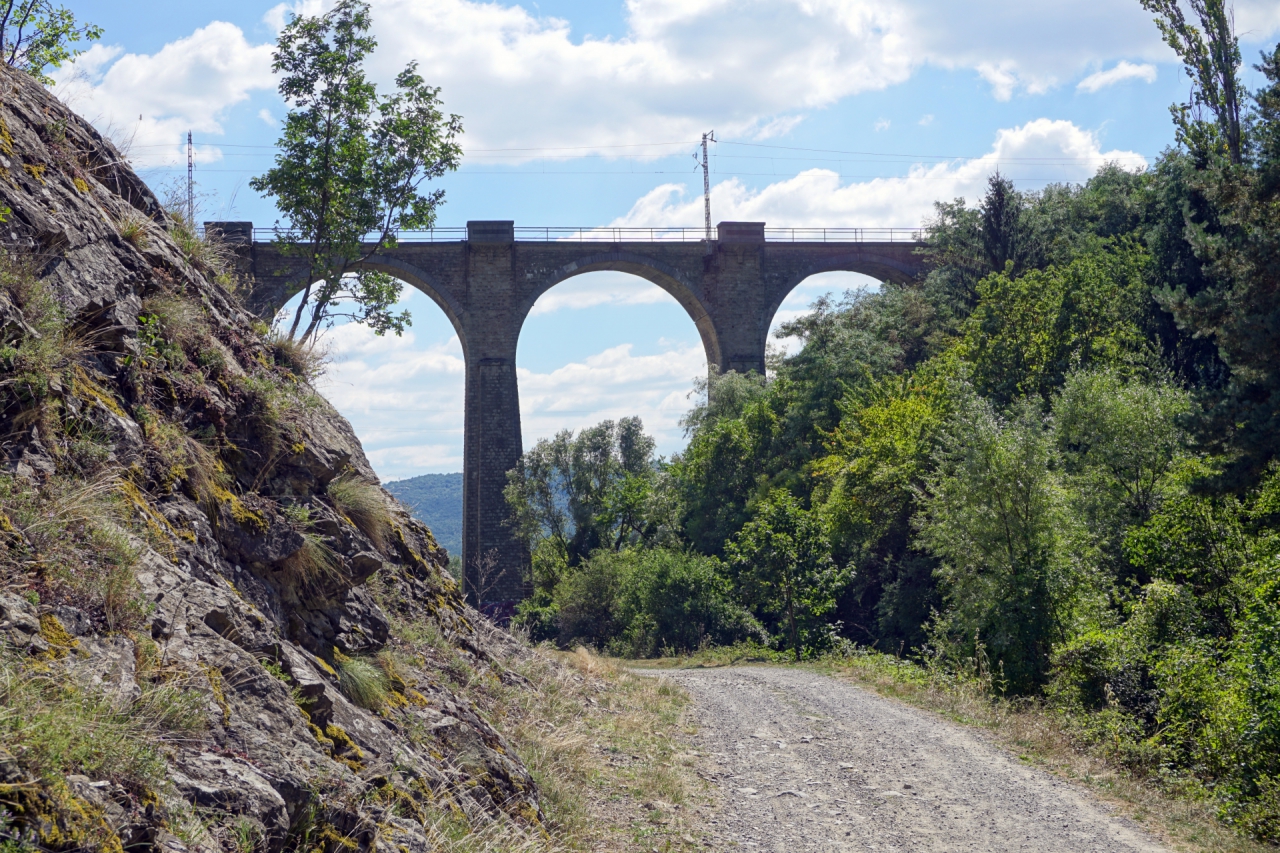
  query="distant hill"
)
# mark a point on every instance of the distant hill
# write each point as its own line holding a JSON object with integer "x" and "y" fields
{"x": 435, "y": 500}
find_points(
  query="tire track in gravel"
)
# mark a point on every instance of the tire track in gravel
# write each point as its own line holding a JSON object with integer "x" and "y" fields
{"x": 810, "y": 764}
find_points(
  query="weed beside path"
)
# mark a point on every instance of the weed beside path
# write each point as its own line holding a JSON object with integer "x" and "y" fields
{"x": 611, "y": 752}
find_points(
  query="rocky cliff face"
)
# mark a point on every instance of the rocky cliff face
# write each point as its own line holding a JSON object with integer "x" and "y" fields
{"x": 203, "y": 591}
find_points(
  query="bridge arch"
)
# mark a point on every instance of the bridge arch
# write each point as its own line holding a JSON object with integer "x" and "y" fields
{"x": 884, "y": 268}
{"x": 406, "y": 272}
{"x": 652, "y": 270}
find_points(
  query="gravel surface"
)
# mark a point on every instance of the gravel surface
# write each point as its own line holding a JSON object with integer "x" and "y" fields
{"x": 810, "y": 763}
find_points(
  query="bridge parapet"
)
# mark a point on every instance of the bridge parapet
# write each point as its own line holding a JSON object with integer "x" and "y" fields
{"x": 487, "y": 277}
{"x": 632, "y": 234}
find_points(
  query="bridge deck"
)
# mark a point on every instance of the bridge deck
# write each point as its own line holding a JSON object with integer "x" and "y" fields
{"x": 589, "y": 234}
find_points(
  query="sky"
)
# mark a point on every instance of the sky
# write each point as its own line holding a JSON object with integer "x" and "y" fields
{"x": 835, "y": 113}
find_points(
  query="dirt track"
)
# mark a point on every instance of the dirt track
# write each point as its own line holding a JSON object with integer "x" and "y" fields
{"x": 810, "y": 763}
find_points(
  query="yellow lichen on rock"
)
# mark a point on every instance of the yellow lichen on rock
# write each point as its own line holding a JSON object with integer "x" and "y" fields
{"x": 215, "y": 685}
{"x": 60, "y": 641}
{"x": 241, "y": 514}
{"x": 83, "y": 387}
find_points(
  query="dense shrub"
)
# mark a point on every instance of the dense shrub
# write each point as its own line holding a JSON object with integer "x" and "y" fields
{"x": 642, "y": 603}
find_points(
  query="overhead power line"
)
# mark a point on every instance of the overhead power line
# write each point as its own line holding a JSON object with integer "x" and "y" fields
{"x": 890, "y": 155}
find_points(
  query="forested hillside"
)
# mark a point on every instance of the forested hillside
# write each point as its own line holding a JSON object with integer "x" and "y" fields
{"x": 1052, "y": 461}
{"x": 436, "y": 501}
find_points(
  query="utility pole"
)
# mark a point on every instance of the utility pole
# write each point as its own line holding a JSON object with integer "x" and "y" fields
{"x": 191, "y": 184}
{"x": 706, "y": 182}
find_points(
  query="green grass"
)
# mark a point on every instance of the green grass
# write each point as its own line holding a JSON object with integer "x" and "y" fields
{"x": 54, "y": 727}
{"x": 365, "y": 505}
{"x": 72, "y": 537}
{"x": 134, "y": 229}
{"x": 363, "y": 681}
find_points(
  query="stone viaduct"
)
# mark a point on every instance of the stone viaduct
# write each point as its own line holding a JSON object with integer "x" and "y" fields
{"x": 486, "y": 281}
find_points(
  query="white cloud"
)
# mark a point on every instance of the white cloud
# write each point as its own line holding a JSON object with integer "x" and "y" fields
{"x": 1124, "y": 70}
{"x": 1002, "y": 78}
{"x": 403, "y": 396}
{"x": 149, "y": 102}
{"x": 602, "y": 288}
{"x": 780, "y": 126}
{"x": 613, "y": 383}
{"x": 925, "y": 120}
{"x": 267, "y": 118}
{"x": 683, "y": 67}
{"x": 749, "y": 68}
{"x": 882, "y": 124}
{"x": 1044, "y": 149}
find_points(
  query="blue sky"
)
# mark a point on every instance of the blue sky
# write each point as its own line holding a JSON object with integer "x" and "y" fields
{"x": 829, "y": 112}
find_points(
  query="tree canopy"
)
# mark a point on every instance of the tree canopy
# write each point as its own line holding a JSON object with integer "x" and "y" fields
{"x": 353, "y": 167}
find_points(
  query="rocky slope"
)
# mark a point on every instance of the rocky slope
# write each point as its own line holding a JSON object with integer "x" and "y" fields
{"x": 203, "y": 592}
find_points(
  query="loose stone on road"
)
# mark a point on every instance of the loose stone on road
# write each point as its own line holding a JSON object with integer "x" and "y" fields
{"x": 805, "y": 763}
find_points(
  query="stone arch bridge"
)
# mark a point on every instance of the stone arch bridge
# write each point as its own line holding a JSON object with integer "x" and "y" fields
{"x": 486, "y": 281}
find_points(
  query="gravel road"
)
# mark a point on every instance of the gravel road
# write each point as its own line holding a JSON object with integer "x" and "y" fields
{"x": 810, "y": 763}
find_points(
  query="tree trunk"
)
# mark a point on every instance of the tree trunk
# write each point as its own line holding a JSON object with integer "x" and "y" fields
{"x": 791, "y": 621}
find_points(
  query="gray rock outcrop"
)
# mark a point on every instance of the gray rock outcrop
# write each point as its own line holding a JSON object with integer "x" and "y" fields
{"x": 249, "y": 585}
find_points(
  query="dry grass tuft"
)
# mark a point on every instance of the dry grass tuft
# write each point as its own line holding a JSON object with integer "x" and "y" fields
{"x": 53, "y": 726}
{"x": 69, "y": 539}
{"x": 134, "y": 229}
{"x": 307, "y": 361}
{"x": 313, "y": 563}
{"x": 609, "y": 749}
{"x": 34, "y": 352}
{"x": 181, "y": 321}
{"x": 208, "y": 249}
{"x": 365, "y": 505}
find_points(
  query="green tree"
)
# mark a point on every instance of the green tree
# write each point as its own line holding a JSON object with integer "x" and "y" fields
{"x": 722, "y": 469}
{"x": 593, "y": 490}
{"x": 993, "y": 513}
{"x": 784, "y": 568}
{"x": 352, "y": 166}
{"x": 1124, "y": 435}
{"x": 36, "y": 36}
{"x": 1210, "y": 54}
{"x": 866, "y": 494}
{"x": 1238, "y": 308}
{"x": 677, "y": 600}
{"x": 1027, "y": 332}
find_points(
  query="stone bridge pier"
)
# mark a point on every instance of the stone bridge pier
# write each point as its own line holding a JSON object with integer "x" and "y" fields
{"x": 487, "y": 283}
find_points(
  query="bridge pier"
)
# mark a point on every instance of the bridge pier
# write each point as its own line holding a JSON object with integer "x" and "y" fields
{"x": 486, "y": 282}
{"x": 495, "y": 562}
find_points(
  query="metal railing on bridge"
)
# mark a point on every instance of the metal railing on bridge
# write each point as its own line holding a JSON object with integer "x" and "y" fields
{"x": 551, "y": 234}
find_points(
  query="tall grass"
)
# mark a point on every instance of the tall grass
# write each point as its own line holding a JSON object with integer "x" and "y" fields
{"x": 134, "y": 229}
{"x": 364, "y": 504}
{"x": 363, "y": 681}
{"x": 71, "y": 538}
{"x": 54, "y": 726}
{"x": 313, "y": 563}
{"x": 35, "y": 353}
{"x": 205, "y": 249}
{"x": 306, "y": 361}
